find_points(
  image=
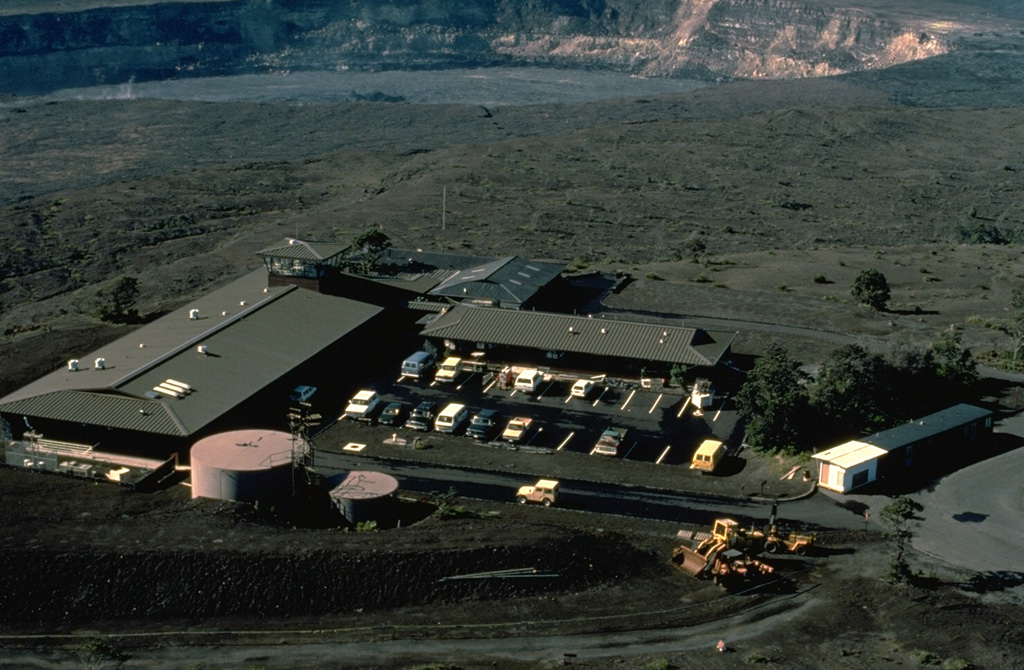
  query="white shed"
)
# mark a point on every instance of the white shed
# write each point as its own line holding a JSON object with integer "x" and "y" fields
{"x": 848, "y": 466}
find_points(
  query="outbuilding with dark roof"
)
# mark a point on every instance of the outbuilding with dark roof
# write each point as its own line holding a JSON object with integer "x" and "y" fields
{"x": 578, "y": 342}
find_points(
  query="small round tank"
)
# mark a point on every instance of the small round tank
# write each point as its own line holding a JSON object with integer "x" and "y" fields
{"x": 365, "y": 496}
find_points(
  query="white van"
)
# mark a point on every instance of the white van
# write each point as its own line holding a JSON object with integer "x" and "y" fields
{"x": 451, "y": 418}
{"x": 529, "y": 381}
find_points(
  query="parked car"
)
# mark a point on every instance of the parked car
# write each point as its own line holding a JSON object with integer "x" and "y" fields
{"x": 394, "y": 414}
{"x": 529, "y": 381}
{"x": 609, "y": 442}
{"x": 422, "y": 416}
{"x": 544, "y": 492}
{"x": 449, "y": 370}
{"x": 418, "y": 364}
{"x": 582, "y": 388}
{"x": 451, "y": 418}
{"x": 361, "y": 406}
{"x": 518, "y": 429}
{"x": 302, "y": 393}
{"x": 485, "y": 425}
{"x": 708, "y": 456}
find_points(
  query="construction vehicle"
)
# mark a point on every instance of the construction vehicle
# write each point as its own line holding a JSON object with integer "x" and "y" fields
{"x": 727, "y": 557}
{"x": 777, "y": 540}
{"x": 544, "y": 492}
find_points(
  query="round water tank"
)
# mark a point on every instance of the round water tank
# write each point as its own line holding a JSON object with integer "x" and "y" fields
{"x": 242, "y": 465}
{"x": 365, "y": 496}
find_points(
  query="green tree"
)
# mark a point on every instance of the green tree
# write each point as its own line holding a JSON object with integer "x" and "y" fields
{"x": 677, "y": 374}
{"x": 116, "y": 304}
{"x": 871, "y": 288}
{"x": 897, "y": 516}
{"x": 852, "y": 388}
{"x": 955, "y": 366}
{"x": 913, "y": 384}
{"x": 370, "y": 245}
{"x": 774, "y": 401}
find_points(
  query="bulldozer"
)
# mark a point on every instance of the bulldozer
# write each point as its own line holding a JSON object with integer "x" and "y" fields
{"x": 777, "y": 540}
{"x": 727, "y": 557}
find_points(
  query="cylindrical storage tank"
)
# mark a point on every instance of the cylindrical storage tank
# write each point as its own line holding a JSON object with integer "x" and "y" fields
{"x": 242, "y": 465}
{"x": 366, "y": 496}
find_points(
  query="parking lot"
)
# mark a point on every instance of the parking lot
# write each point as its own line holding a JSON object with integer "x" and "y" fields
{"x": 660, "y": 425}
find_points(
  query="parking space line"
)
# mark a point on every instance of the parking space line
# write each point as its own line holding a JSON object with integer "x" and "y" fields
{"x": 656, "y": 401}
{"x": 630, "y": 450}
{"x": 567, "y": 400}
{"x": 600, "y": 396}
{"x": 491, "y": 385}
{"x": 464, "y": 381}
{"x": 718, "y": 413}
{"x": 541, "y": 394}
{"x": 565, "y": 441}
{"x": 534, "y": 435}
{"x": 663, "y": 454}
{"x": 633, "y": 393}
{"x": 683, "y": 408}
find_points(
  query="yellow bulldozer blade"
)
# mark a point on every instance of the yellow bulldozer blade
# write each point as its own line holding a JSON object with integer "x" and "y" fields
{"x": 688, "y": 560}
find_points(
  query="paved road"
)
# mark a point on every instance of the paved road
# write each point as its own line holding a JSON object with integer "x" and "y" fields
{"x": 688, "y": 508}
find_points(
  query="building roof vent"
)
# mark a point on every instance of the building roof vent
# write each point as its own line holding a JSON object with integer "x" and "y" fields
{"x": 571, "y": 329}
{"x": 203, "y": 349}
{"x": 100, "y": 363}
{"x": 193, "y": 314}
{"x": 242, "y": 303}
{"x": 604, "y": 331}
{"x": 73, "y": 365}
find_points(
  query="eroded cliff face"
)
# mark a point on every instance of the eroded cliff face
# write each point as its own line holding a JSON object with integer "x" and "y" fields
{"x": 687, "y": 38}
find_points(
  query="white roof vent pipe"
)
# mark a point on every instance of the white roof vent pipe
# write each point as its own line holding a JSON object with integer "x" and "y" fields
{"x": 193, "y": 314}
{"x": 100, "y": 363}
{"x": 73, "y": 365}
{"x": 203, "y": 349}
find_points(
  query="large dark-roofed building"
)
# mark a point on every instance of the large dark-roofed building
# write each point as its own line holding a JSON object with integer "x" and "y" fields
{"x": 578, "y": 342}
{"x": 233, "y": 354}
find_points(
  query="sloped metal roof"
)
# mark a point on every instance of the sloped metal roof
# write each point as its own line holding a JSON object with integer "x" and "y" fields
{"x": 548, "y": 331}
{"x": 250, "y": 345}
{"x": 102, "y": 408}
{"x": 508, "y": 281}
{"x": 304, "y": 251}
{"x": 925, "y": 427}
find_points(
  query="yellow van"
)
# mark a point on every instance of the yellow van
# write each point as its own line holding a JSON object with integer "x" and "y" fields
{"x": 708, "y": 455}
